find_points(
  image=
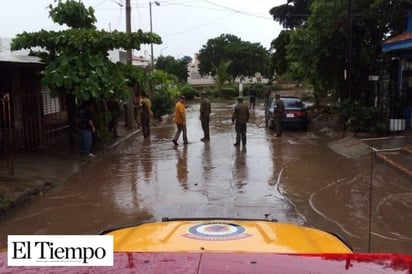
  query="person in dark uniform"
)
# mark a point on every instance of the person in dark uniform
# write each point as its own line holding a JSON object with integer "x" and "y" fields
{"x": 204, "y": 116}
{"x": 252, "y": 97}
{"x": 87, "y": 128}
{"x": 240, "y": 117}
{"x": 113, "y": 106}
{"x": 278, "y": 115}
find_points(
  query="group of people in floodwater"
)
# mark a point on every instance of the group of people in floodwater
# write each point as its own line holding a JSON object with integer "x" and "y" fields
{"x": 240, "y": 118}
{"x": 86, "y": 119}
{"x": 143, "y": 115}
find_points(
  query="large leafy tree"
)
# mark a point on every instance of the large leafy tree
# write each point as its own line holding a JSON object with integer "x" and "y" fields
{"x": 247, "y": 58}
{"x": 292, "y": 14}
{"x": 176, "y": 67}
{"x": 318, "y": 47}
{"x": 77, "y": 58}
{"x": 278, "y": 57}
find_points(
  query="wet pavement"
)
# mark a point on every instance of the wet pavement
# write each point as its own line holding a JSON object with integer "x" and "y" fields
{"x": 297, "y": 178}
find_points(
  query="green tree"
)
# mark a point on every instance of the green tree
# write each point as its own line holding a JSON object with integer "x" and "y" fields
{"x": 247, "y": 58}
{"x": 73, "y": 14}
{"x": 292, "y": 14}
{"x": 163, "y": 79}
{"x": 176, "y": 67}
{"x": 222, "y": 75}
{"x": 317, "y": 50}
{"x": 318, "y": 44}
{"x": 279, "y": 56}
{"x": 136, "y": 77}
{"x": 77, "y": 58}
{"x": 164, "y": 92}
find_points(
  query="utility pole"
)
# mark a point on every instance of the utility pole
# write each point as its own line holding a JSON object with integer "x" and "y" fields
{"x": 348, "y": 74}
{"x": 128, "y": 29}
{"x": 130, "y": 101}
{"x": 151, "y": 31}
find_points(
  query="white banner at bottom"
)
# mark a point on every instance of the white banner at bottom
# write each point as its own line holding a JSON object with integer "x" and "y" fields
{"x": 60, "y": 250}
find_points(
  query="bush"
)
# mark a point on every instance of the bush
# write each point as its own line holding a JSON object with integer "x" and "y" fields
{"x": 227, "y": 92}
{"x": 5, "y": 199}
{"x": 211, "y": 93}
{"x": 162, "y": 102}
{"x": 258, "y": 87}
{"x": 360, "y": 118}
{"x": 188, "y": 92}
{"x": 276, "y": 87}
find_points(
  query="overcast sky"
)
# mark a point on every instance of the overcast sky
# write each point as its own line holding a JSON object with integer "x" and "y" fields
{"x": 184, "y": 25}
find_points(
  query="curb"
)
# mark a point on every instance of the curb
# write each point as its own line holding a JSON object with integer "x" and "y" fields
{"x": 12, "y": 200}
{"x": 123, "y": 139}
{"x": 18, "y": 198}
{"x": 392, "y": 163}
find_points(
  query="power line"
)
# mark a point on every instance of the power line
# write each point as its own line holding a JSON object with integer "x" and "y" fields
{"x": 190, "y": 4}
{"x": 220, "y": 8}
{"x": 186, "y": 3}
{"x": 239, "y": 11}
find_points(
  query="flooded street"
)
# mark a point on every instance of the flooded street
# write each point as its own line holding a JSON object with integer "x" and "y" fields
{"x": 296, "y": 178}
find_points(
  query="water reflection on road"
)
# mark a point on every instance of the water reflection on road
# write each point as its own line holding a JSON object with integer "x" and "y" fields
{"x": 296, "y": 178}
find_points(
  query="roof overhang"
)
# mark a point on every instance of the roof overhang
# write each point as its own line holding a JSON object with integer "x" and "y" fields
{"x": 399, "y": 42}
{"x": 17, "y": 57}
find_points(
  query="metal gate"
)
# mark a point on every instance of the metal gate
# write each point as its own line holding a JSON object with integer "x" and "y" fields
{"x": 6, "y": 136}
{"x": 43, "y": 120}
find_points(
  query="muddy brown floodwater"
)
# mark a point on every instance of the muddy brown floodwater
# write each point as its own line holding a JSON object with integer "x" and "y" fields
{"x": 296, "y": 178}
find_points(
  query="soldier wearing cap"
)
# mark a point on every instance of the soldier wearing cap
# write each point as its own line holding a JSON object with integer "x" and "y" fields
{"x": 240, "y": 117}
{"x": 278, "y": 115}
{"x": 204, "y": 116}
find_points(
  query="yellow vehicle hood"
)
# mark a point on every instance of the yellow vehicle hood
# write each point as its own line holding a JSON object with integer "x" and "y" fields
{"x": 225, "y": 236}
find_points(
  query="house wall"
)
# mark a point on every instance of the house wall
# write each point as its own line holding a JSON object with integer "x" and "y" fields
{"x": 399, "y": 48}
{"x": 34, "y": 114}
{"x": 406, "y": 88}
{"x": 21, "y": 84}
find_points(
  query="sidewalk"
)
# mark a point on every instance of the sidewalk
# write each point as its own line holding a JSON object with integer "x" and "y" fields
{"x": 37, "y": 171}
{"x": 394, "y": 150}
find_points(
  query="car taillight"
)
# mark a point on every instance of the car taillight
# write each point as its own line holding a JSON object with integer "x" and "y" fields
{"x": 300, "y": 113}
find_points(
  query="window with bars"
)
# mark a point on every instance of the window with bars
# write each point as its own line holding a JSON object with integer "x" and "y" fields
{"x": 51, "y": 105}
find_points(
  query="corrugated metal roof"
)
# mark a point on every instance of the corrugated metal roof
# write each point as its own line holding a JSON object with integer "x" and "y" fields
{"x": 18, "y": 57}
{"x": 140, "y": 58}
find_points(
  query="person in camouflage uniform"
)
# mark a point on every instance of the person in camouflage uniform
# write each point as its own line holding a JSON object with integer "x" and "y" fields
{"x": 240, "y": 117}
